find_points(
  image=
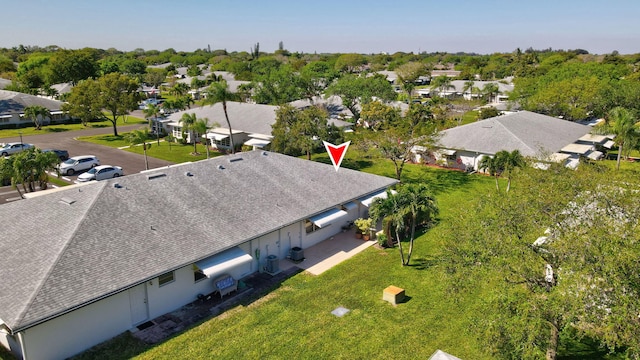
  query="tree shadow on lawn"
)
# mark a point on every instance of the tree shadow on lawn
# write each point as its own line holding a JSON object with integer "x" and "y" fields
{"x": 55, "y": 129}
{"x": 110, "y": 138}
{"x": 424, "y": 262}
{"x": 354, "y": 164}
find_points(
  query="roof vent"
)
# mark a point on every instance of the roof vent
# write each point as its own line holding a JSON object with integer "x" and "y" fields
{"x": 235, "y": 159}
{"x": 155, "y": 176}
{"x": 189, "y": 174}
{"x": 220, "y": 167}
{"x": 117, "y": 186}
{"x": 264, "y": 153}
{"x": 67, "y": 200}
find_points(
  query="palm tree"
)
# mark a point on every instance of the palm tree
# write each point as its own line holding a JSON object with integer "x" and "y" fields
{"x": 33, "y": 112}
{"x": 621, "y": 122}
{"x": 219, "y": 92}
{"x": 390, "y": 208}
{"x": 188, "y": 121}
{"x": 137, "y": 137}
{"x": 442, "y": 83}
{"x": 201, "y": 126}
{"x": 491, "y": 90}
{"x": 152, "y": 111}
{"x": 413, "y": 204}
{"x": 492, "y": 165}
{"x": 179, "y": 89}
{"x": 511, "y": 160}
{"x": 469, "y": 86}
{"x": 421, "y": 206}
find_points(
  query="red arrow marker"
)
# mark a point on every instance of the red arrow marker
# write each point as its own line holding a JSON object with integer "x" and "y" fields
{"x": 336, "y": 153}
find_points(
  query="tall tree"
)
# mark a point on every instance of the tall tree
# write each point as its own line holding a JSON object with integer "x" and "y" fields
{"x": 137, "y": 137}
{"x": 578, "y": 279}
{"x": 442, "y": 83}
{"x": 108, "y": 97}
{"x": 202, "y": 126}
{"x": 188, "y": 121}
{"x": 73, "y": 65}
{"x": 396, "y": 141}
{"x": 298, "y": 132}
{"x": 621, "y": 123}
{"x": 37, "y": 114}
{"x": 151, "y": 112}
{"x": 355, "y": 91}
{"x": 28, "y": 169}
{"x": 413, "y": 204}
{"x": 408, "y": 74}
{"x": 219, "y": 92}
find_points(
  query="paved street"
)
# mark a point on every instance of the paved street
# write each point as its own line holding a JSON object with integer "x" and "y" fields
{"x": 130, "y": 162}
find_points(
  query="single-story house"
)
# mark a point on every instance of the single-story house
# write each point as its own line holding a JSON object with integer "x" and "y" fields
{"x": 457, "y": 89}
{"x": 12, "y": 105}
{"x": 540, "y": 136}
{"x": 86, "y": 263}
{"x": 251, "y": 124}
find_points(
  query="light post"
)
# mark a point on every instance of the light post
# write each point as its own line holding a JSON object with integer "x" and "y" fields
{"x": 20, "y": 132}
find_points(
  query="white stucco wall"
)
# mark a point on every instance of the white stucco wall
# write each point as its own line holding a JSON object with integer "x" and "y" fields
{"x": 78, "y": 330}
{"x": 171, "y": 296}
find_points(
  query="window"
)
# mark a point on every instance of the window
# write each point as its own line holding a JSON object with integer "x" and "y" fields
{"x": 166, "y": 278}
{"x": 310, "y": 226}
{"x": 198, "y": 275}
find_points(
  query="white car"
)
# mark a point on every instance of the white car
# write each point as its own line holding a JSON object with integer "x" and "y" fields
{"x": 14, "y": 148}
{"x": 100, "y": 173}
{"x": 78, "y": 163}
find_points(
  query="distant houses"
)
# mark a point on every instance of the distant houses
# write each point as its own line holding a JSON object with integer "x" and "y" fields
{"x": 542, "y": 137}
{"x": 12, "y": 105}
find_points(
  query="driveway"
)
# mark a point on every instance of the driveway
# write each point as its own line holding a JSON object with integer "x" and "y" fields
{"x": 130, "y": 162}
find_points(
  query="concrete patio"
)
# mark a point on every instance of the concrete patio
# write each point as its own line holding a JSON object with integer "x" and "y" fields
{"x": 328, "y": 253}
{"x": 317, "y": 259}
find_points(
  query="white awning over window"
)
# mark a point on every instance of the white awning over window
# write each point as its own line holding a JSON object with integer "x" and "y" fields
{"x": 367, "y": 200}
{"x": 257, "y": 142}
{"x": 216, "y": 137}
{"x": 328, "y": 217}
{"x": 609, "y": 144}
{"x": 223, "y": 262}
{"x": 577, "y": 149}
{"x": 448, "y": 152}
{"x": 595, "y": 155}
{"x": 350, "y": 205}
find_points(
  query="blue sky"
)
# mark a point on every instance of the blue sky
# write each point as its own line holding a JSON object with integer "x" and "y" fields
{"x": 481, "y": 26}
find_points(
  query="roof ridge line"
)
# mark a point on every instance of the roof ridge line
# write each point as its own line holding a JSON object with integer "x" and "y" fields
{"x": 514, "y": 135}
{"x": 59, "y": 256}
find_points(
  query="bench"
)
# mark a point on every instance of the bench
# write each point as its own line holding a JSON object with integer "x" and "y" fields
{"x": 225, "y": 284}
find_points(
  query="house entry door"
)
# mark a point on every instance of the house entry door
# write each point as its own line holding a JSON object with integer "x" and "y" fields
{"x": 139, "y": 304}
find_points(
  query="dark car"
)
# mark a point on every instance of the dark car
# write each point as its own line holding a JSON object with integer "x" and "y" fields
{"x": 62, "y": 154}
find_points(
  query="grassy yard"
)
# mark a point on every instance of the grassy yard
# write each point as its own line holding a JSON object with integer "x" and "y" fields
{"x": 173, "y": 152}
{"x": 294, "y": 320}
{"x": 30, "y": 130}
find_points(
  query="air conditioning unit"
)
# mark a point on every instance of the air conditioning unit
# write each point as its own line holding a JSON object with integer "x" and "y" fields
{"x": 296, "y": 254}
{"x": 273, "y": 265}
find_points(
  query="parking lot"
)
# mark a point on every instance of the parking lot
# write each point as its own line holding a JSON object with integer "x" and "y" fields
{"x": 130, "y": 162}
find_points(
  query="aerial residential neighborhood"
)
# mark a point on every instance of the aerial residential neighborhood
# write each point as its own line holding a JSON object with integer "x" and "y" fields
{"x": 320, "y": 182}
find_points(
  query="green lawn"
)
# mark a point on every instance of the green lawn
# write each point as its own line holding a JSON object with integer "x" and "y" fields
{"x": 294, "y": 320}
{"x": 173, "y": 152}
{"x": 30, "y": 130}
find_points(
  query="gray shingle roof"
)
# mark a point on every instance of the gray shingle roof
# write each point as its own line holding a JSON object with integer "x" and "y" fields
{"x": 59, "y": 256}
{"x": 249, "y": 118}
{"x": 12, "y": 102}
{"x": 530, "y": 133}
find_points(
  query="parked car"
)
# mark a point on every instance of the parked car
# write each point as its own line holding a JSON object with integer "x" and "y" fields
{"x": 78, "y": 163}
{"x": 14, "y": 148}
{"x": 100, "y": 173}
{"x": 62, "y": 154}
